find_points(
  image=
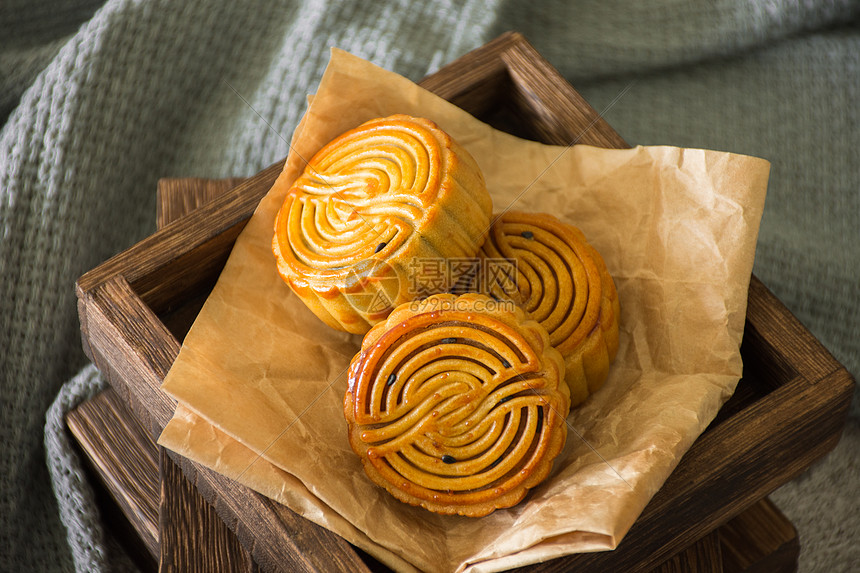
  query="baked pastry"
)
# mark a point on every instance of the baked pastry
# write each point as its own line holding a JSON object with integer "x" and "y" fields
{"x": 549, "y": 269}
{"x": 457, "y": 404}
{"x": 371, "y": 203}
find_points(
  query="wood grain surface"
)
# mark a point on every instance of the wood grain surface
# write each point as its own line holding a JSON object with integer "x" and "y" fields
{"x": 789, "y": 409}
{"x": 193, "y": 537}
{"x": 759, "y": 540}
{"x": 124, "y": 457}
{"x": 703, "y": 556}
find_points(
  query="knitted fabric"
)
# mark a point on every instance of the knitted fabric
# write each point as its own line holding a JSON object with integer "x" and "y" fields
{"x": 85, "y": 534}
{"x": 99, "y": 101}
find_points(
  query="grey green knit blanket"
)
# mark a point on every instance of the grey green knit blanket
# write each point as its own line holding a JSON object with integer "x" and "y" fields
{"x": 99, "y": 100}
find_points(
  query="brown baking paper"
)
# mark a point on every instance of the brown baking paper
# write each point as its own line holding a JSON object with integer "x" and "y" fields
{"x": 260, "y": 379}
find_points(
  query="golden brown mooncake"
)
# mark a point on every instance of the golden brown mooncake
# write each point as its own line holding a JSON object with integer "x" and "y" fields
{"x": 457, "y": 404}
{"x": 563, "y": 283}
{"x": 371, "y": 203}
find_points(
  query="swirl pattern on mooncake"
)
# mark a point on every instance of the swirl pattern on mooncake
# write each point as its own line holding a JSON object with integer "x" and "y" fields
{"x": 562, "y": 282}
{"x": 456, "y": 404}
{"x": 367, "y": 205}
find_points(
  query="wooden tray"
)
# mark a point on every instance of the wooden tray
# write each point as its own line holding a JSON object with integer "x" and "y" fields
{"x": 165, "y": 516}
{"x": 788, "y": 411}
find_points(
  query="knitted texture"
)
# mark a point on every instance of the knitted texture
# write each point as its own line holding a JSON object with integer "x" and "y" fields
{"x": 76, "y": 501}
{"x": 100, "y": 102}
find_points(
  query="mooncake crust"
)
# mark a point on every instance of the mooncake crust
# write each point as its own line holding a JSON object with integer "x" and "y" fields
{"x": 370, "y": 203}
{"x": 561, "y": 281}
{"x": 457, "y": 404}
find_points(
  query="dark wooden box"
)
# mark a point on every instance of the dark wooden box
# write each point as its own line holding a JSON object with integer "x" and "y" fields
{"x": 788, "y": 410}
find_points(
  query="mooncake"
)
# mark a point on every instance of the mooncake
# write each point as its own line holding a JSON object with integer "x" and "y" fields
{"x": 370, "y": 206}
{"x": 457, "y": 404}
{"x": 560, "y": 280}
